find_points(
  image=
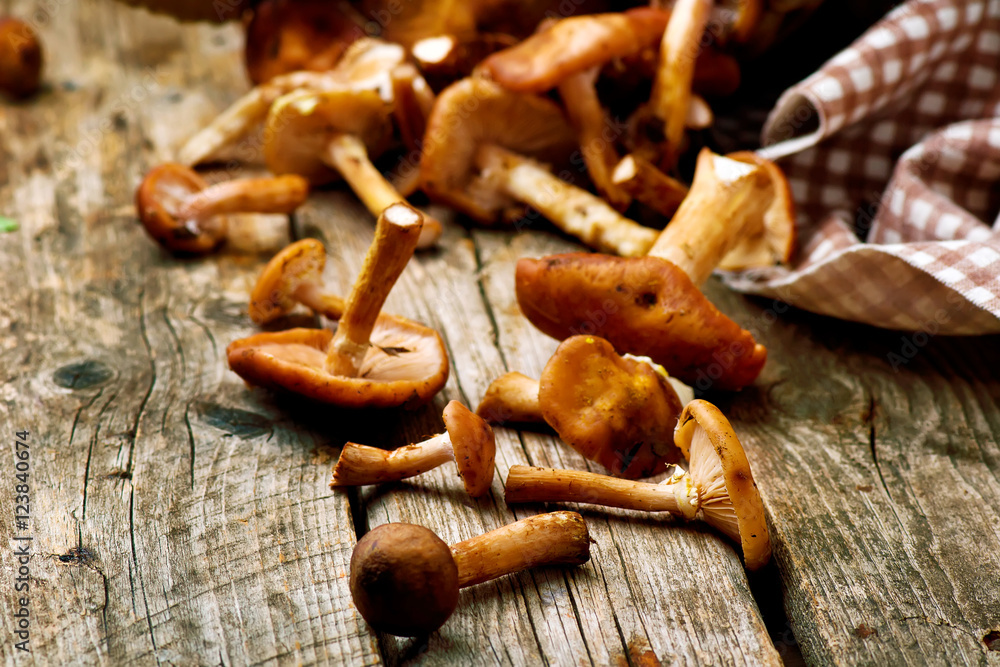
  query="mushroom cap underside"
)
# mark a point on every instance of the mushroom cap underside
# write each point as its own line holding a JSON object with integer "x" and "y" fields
{"x": 474, "y": 445}
{"x": 298, "y": 263}
{"x": 618, "y": 411}
{"x": 644, "y": 306}
{"x": 406, "y": 365}
{"x": 159, "y": 199}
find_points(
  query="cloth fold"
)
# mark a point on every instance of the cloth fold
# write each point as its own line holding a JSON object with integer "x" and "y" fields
{"x": 892, "y": 150}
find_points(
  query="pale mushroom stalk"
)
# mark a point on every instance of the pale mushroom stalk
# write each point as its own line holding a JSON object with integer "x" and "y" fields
{"x": 589, "y": 120}
{"x": 348, "y": 155}
{"x": 556, "y": 538}
{"x": 315, "y": 298}
{"x": 512, "y": 397}
{"x": 575, "y": 211}
{"x": 280, "y": 194}
{"x": 679, "y": 50}
{"x": 641, "y": 179}
{"x": 396, "y": 235}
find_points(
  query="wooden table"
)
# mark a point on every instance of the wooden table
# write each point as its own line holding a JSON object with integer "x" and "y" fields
{"x": 180, "y": 518}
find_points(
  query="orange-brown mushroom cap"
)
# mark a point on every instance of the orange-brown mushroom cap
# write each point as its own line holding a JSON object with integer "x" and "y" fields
{"x": 474, "y": 445}
{"x": 644, "y": 306}
{"x": 406, "y": 365}
{"x": 297, "y": 264}
{"x": 750, "y": 528}
{"x": 615, "y": 410}
{"x": 158, "y": 200}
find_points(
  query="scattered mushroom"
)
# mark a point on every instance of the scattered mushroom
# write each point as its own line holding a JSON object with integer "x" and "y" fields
{"x": 641, "y": 179}
{"x": 512, "y": 397}
{"x": 294, "y": 275}
{"x": 20, "y": 59}
{"x": 373, "y": 360}
{"x": 185, "y": 214}
{"x": 468, "y": 441}
{"x": 405, "y": 579}
{"x": 719, "y": 487}
{"x": 320, "y": 134}
{"x": 446, "y": 58}
{"x": 652, "y": 305}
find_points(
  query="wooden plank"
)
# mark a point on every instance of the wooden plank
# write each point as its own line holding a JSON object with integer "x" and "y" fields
{"x": 877, "y": 456}
{"x": 175, "y": 518}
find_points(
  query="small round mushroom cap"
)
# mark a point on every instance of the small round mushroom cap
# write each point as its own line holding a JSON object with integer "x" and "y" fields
{"x": 644, "y": 306}
{"x": 406, "y": 365}
{"x": 774, "y": 242}
{"x": 301, "y": 124}
{"x": 158, "y": 200}
{"x": 404, "y": 580}
{"x": 709, "y": 443}
{"x": 472, "y": 112}
{"x": 474, "y": 445}
{"x": 618, "y": 411}
{"x": 297, "y": 264}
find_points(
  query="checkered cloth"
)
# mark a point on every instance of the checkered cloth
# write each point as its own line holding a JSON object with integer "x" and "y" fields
{"x": 892, "y": 150}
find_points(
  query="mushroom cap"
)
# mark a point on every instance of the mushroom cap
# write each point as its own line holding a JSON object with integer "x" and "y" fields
{"x": 750, "y": 529}
{"x": 618, "y": 411}
{"x": 300, "y": 125}
{"x": 774, "y": 242}
{"x": 404, "y": 580}
{"x": 20, "y": 58}
{"x": 476, "y": 111}
{"x": 299, "y": 263}
{"x": 474, "y": 445}
{"x": 573, "y": 45}
{"x": 406, "y": 365}
{"x": 157, "y": 201}
{"x": 644, "y": 306}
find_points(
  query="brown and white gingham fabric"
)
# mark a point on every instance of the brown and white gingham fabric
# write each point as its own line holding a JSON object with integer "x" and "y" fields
{"x": 892, "y": 150}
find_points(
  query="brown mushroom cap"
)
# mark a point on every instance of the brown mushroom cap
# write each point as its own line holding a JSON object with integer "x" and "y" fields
{"x": 301, "y": 124}
{"x": 158, "y": 200}
{"x": 704, "y": 433}
{"x": 472, "y": 112}
{"x": 615, "y": 410}
{"x": 20, "y": 58}
{"x": 299, "y": 263}
{"x": 773, "y": 242}
{"x": 645, "y": 306}
{"x": 406, "y": 365}
{"x": 474, "y": 445}
{"x": 573, "y": 45}
{"x": 404, "y": 580}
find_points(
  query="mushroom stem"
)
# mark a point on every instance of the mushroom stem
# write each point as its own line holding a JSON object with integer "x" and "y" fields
{"x": 588, "y": 118}
{"x": 679, "y": 50}
{"x": 314, "y": 297}
{"x": 281, "y": 194}
{"x": 512, "y": 397}
{"x": 726, "y": 197}
{"x": 556, "y": 538}
{"x": 642, "y": 180}
{"x": 359, "y": 465}
{"x": 348, "y": 155}
{"x": 396, "y": 234}
{"x": 575, "y": 211}
{"x": 676, "y": 495}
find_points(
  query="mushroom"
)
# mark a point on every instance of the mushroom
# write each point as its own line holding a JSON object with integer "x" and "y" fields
{"x": 294, "y": 275}
{"x": 405, "y": 579}
{"x": 185, "y": 214}
{"x": 652, "y": 306}
{"x": 641, "y": 179}
{"x": 321, "y": 134}
{"x": 467, "y": 440}
{"x": 718, "y": 488}
{"x": 373, "y": 360}
{"x": 446, "y": 58}
{"x": 20, "y": 59}
{"x": 512, "y": 397}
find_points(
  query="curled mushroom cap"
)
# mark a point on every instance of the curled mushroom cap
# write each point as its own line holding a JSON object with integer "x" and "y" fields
{"x": 474, "y": 112}
{"x": 618, "y": 411}
{"x": 715, "y": 454}
{"x": 642, "y": 306}
{"x": 20, "y": 58}
{"x": 512, "y": 397}
{"x": 294, "y": 275}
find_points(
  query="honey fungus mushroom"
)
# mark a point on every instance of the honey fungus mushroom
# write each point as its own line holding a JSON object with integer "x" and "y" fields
{"x": 718, "y": 488}
{"x": 652, "y": 306}
{"x": 468, "y": 441}
{"x": 185, "y": 214}
{"x": 373, "y": 360}
{"x": 293, "y": 276}
{"x": 21, "y": 59}
{"x": 405, "y": 579}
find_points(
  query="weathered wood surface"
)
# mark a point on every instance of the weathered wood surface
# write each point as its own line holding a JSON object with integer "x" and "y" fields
{"x": 182, "y": 518}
